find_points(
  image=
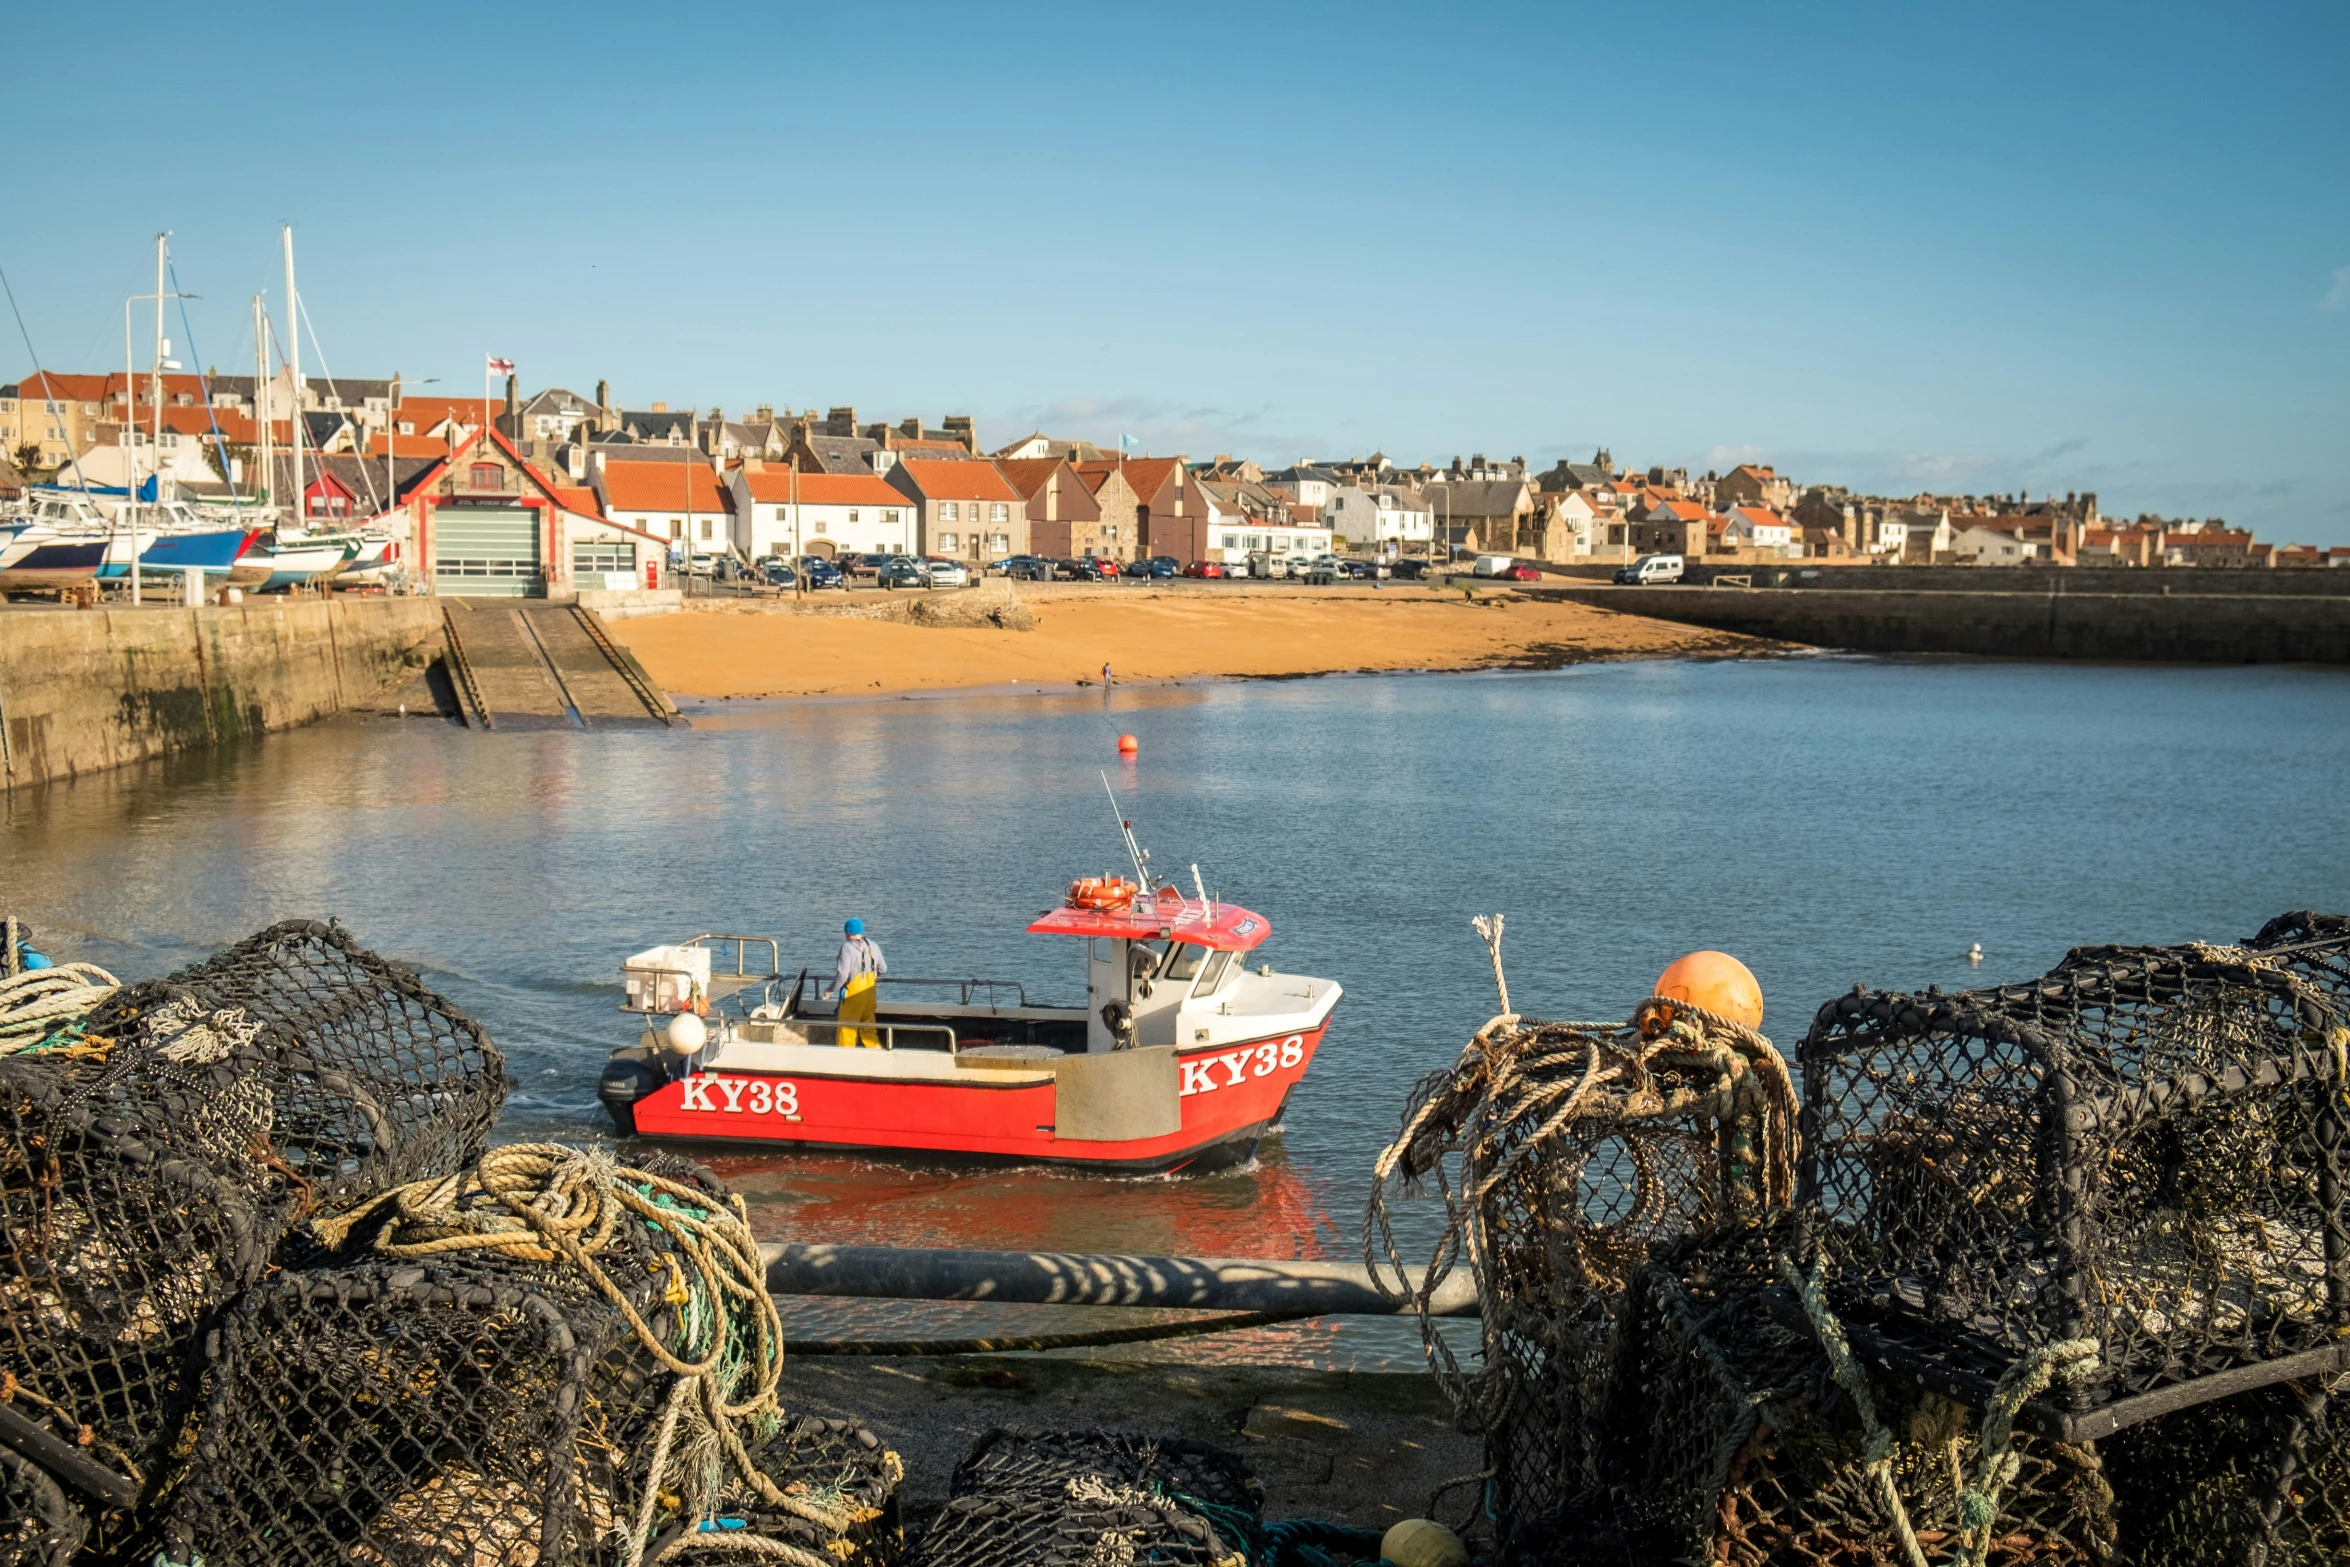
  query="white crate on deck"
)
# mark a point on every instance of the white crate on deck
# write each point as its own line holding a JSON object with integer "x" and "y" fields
{"x": 664, "y": 979}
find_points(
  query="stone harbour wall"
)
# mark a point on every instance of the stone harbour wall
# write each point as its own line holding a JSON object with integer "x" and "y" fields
{"x": 2215, "y": 628}
{"x": 82, "y": 690}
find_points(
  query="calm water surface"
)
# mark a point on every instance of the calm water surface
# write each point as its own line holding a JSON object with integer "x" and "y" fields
{"x": 1829, "y": 820}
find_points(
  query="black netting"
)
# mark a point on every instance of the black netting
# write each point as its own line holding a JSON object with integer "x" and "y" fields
{"x": 1725, "y": 1438}
{"x": 1565, "y": 1153}
{"x": 2262, "y": 1477}
{"x": 39, "y": 1526}
{"x": 151, "y": 1167}
{"x": 1086, "y": 1499}
{"x": 475, "y": 1407}
{"x": 2143, "y": 1149}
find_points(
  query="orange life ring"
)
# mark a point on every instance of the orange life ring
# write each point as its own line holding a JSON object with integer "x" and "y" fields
{"x": 1102, "y": 892}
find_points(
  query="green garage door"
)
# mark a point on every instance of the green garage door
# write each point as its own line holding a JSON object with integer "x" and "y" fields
{"x": 483, "y": 550}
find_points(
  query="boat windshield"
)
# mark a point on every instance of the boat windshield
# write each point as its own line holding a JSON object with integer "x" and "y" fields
{"x": 1213, "y": 975}
{"x": 1182, "y": 960}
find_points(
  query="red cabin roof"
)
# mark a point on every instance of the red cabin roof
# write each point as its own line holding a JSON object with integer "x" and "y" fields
{"x": 1224, "y": 927}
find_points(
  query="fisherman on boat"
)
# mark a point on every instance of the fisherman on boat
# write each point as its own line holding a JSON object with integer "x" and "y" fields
{"x": 854, "y": 978}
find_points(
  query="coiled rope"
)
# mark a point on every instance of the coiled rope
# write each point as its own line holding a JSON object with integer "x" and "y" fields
{"x": 40, "y": 1007}
{"x": 542, "y": 1202}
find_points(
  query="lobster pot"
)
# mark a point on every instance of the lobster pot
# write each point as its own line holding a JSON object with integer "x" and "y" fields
{"x": 2143, "y": 1149}
{"x": 2313, "y": 947}
{"x": 473, "y": 1407}
{"x": 2261, "y": 1477}
{"x": 39, "y": 1525}
{"x": 1561, "y": 1196}
{"x": 1080, "y": 1499}
{"x": 133, "y": 1209}
{"x": 148, "y": 1175}
{"x": 372, "y": 1079}
{"x": 1725, "y": 1440}
{"x": 837, "y": 1462}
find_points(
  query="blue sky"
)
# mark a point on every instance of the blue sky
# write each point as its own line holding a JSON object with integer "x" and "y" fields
{"x": 1988, "y": 248}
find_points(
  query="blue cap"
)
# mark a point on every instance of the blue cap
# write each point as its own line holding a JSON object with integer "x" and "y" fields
{"x": 854, "y": 928}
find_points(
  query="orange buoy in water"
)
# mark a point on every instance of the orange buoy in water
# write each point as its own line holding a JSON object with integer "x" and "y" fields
{"x": 1128, "y": 745}
{"x": 1717, "y": 982}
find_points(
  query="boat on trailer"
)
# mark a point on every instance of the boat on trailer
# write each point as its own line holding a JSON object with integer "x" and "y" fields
{"x": 1182, "y": 1057}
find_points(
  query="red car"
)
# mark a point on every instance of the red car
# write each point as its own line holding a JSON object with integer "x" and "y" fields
{"x": 1204, "y": 568}
{"x": 1521, "y": 572}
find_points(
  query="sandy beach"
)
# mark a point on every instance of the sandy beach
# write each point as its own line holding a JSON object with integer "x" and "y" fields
{"x": 1148, "y": 634}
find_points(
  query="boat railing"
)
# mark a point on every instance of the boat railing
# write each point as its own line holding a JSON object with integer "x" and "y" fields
{"x": 742, "y": 946}
{"x": 966, "y": 988}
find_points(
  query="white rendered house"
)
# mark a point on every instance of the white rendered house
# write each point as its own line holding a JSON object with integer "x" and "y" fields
{"x": 833, "y": 514}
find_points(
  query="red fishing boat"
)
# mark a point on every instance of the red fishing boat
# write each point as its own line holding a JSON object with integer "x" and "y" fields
{"x": 1181, "y": 1058}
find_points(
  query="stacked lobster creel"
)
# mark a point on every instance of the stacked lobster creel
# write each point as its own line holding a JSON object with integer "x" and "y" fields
{"x": 2111, "y": 1201}
{"x": 1564, "y": 1153}
{"x": 551, "y": 1358}
{"x": 1082, "y": 1499}
{"x": 152, "y": 1165}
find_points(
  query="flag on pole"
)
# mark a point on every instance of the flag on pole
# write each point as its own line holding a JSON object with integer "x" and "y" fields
{"x": 1125, "y": 441}
{"x": 501, "y": 366}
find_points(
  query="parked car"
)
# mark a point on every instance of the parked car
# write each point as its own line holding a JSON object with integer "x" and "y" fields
{"x": 1029, "y": 568}
{"x": 705, "y": 565}
{"x": 948, "y": 574}
{"x": 1650, "y": 569}
{"x": 1163, "y": 566}
{"x": 1491, "y": 566}
{"x": 1299, "y": 565}
{"x": 1361, "y": 570}
{"x": 1521, "y": 572}
{"x": 1324, "y": 570}
{"x": 1009, "y": 566}
{"x": 1408, "y": 568}
{"x": 1261, "y": 564}
{"x": 1088, "y": 568}
{"x": 822, "y": 573}
{"x": 1135, "y": 568}
{"x": 1205, "y": 568}
{"x": 902, "y": 573}
{"x": 776, "y": 574}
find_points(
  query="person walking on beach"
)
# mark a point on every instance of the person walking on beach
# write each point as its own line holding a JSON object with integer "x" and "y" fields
{"x": 853, "y": 980}
{"x": 1106, "y": 672}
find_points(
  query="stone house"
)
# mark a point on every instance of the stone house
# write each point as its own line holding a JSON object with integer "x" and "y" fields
{"x": 1672, "y": 527}
{"x": 963, "y": 510}
{"x": 1752, "y": 484}
{"x": 1484, "y": 516}
{"x": 1118, "y": 529}
{"x": 1064, "y": 518}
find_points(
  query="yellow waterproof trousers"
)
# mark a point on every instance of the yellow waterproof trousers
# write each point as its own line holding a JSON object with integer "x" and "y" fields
{"x": 856, "y": 1006}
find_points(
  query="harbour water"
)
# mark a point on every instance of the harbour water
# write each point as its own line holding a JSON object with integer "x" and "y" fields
{"x": 1829, "y": 820}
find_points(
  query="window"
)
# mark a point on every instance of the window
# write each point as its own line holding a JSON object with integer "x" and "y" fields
{"x": 676, "y": 529}
{"x": 852, "y": 514}
{"x": 890, "y": 518}
{"x": 948, "y": 543}
{"x": 595, "y": 557}
{"x": 486, "y": 476}
{"x": 999, "y": 512}
{"x": 1213, "y": 975}
{"x": 1183, "y": 961}
{"x": 948, "y": 513}
{"x": 1232, "y": 541}
{"x": 705, "y": 527}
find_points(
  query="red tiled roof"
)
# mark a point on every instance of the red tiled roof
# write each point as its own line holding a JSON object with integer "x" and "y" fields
{"x": 958, "y": 481}
{"x": 774, "y": 486}
{"x": 583, "y": 501}
{"x": 661, "y": 486}
{"x": 1678, "y": 511}
{"x": 1028, "y": 474}
{"x": 466, "y": 410}
{"x": 64, "y": 388}
{"x": 1759, "y": 516}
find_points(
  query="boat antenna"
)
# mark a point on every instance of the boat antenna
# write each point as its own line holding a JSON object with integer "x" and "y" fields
{"x": 1134, "y": 851}
{"x": 1201, "y": 888}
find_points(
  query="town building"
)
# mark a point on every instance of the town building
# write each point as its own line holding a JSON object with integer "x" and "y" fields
{"x": 1484, "y": 516}
{"x": 682, "y": 502}
{"x": 1064, "y": 518}
{"x": 963, "y": 510}
{"x": 1751, "y": 484}
{"x": 779, "y": 512}
{"x": 1383, "y": 518}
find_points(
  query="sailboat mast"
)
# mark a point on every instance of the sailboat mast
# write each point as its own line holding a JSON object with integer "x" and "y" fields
{"x": 266, "y": 483}
{"x": 294, "y": 366}
{"x": 154, "y": 397}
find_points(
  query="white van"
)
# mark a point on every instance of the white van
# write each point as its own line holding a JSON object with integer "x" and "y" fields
{"x": 1490, "y": 565}
{"x": 1650, "y": 569}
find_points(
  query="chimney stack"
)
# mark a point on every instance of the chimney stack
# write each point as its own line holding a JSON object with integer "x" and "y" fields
{"x": 603, "y": 395}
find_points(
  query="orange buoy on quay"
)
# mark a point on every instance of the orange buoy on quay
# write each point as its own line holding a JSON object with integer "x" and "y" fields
{"x": 1717, "y": 982}
{"x": 1128, "y": 745}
